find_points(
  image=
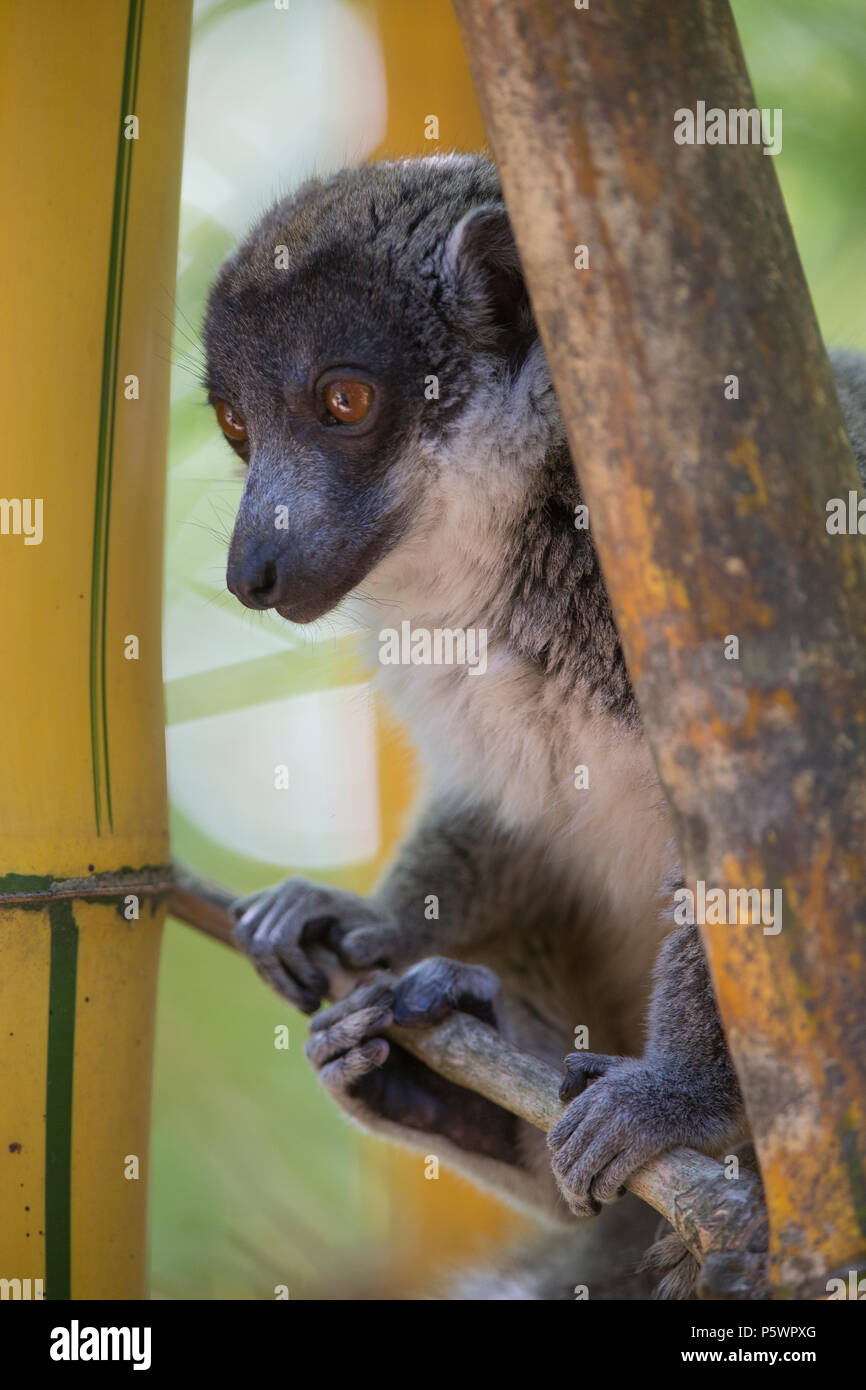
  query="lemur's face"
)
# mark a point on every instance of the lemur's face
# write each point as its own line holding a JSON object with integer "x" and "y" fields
{"x": 351, "y": 308}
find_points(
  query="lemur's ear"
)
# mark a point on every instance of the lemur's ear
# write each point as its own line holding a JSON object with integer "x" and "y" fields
{"x": 486, "y": 277}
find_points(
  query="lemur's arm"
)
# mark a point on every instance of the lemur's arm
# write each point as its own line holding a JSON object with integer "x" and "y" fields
{"x": 483, "y": 881}
{"x": 480, "y": 887}
{"x": 456, "y": 879}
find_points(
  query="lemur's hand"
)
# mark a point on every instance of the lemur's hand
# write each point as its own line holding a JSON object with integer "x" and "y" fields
{"x": 632, "y": 1111}
{"x": 276, "y": 927}
{"x": 376, "y": 1080}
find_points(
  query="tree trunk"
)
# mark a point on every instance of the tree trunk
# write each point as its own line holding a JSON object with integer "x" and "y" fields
{"x": 709, "y": 517}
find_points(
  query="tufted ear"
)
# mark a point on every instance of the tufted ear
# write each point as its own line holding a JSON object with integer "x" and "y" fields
{"x": 483, "y": 266}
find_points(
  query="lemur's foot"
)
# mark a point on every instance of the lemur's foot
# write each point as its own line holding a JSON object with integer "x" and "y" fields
{"x": 435, "y": 987}
{"x": 371, "y": 1076}
{"x": 632, "y": 1111}
{"x": 276, "y": 927}
{"x": 345, "y": 1040}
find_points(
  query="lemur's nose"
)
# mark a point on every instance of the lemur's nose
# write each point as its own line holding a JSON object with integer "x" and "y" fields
{"x": 254, "y": 580}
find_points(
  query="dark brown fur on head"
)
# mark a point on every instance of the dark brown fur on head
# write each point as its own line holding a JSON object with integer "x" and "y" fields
{"x": 398, "y": 272}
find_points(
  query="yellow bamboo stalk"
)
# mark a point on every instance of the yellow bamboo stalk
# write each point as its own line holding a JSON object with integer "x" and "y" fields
{"x": 91, "y": 232}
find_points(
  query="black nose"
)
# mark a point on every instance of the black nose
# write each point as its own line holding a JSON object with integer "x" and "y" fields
{"x": 254, "y": 580}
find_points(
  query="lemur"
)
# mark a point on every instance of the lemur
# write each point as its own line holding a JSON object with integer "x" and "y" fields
{"x": 374, "y": 361}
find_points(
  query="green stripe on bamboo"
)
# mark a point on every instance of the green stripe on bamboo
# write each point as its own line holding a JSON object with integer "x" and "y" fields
{"x": 102, "y": 506}
{"x": 58, "y": 1098}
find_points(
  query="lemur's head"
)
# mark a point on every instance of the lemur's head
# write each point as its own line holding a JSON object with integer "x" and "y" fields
{"x": 368, "y": 324}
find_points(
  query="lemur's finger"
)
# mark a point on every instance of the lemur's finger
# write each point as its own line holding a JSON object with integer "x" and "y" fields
{"x": 354, "y": 1065}
{"x": 580, "y": 1069}
{"x": 296, "y": 963}
{"x": 377, "y": 991}
{"x": 325, "y": 1045}
{"x": 285, "y": 966}
{"x": 277, "y": 974}
{"x": 268, "y": 906}
{"x": 246, "y": 913}
{"x": 609, "y": 1182}
{"x": 280, "y": 919}
{"x": 596, "y": 1173}
{"x": 295, "y": 896}
{"x": 242, "y": 905}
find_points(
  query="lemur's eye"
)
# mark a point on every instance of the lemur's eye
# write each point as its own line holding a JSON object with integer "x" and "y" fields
{"x": 348, "y": 401}
{"x": 230, "y": 422}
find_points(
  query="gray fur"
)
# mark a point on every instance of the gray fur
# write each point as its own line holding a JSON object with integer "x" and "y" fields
{"x": 459, "y": 512}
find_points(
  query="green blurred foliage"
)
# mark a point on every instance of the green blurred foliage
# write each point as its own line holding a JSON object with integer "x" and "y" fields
{"x": 808, "y": 57}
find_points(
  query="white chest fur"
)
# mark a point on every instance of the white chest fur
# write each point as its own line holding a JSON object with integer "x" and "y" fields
{"x": 541, "y": 763}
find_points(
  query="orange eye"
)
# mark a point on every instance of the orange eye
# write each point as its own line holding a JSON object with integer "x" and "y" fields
{"x": 230, "y": 422}
{"x": 348, "y": 401}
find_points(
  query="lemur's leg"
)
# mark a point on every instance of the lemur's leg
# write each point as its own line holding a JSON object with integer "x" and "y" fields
{"x": 389, "y": 1091}
{"x": 683, "y": 1091}
{"x": 479, "y": 885}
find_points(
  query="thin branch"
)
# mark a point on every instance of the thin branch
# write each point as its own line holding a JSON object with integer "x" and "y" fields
{"x": 712, "y": 1214}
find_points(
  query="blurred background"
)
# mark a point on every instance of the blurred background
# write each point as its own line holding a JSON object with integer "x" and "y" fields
{"x": 257, "y": 1179}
